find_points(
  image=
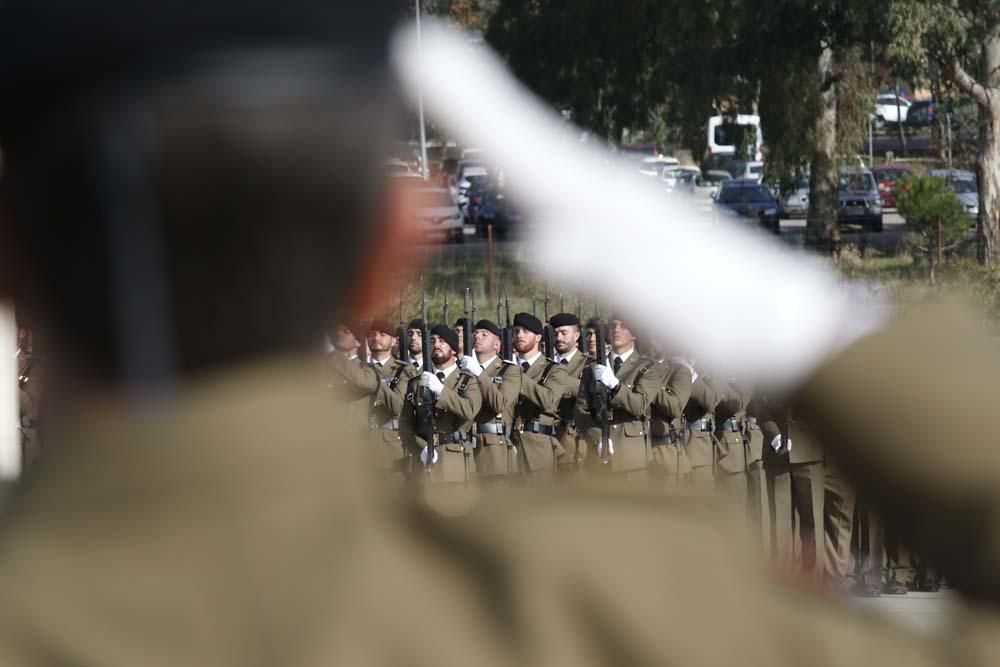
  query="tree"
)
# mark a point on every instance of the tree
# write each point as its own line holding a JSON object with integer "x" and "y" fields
{"x": 937, "y": 216}
{"x": 963, "y": 38}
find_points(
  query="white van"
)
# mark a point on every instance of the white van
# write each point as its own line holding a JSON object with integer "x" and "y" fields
{"x": 725, "y": 134}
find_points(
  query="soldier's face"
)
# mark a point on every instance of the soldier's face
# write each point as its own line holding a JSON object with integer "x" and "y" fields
{"x": 566, "y": 338}
{"x": 441, "y": 352}
{"x": 591, "y": 341}
{"x": 414, "y": 342}
{"x": 525, "y": 341}
{"x": 380, "y": 341}
{"x": 461, "y": 337}
{"x": 344, "y": 340}
{"x": 485, "y": 342}
{"x": 621, "y": 337}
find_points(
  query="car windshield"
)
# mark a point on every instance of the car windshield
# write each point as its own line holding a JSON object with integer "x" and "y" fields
{"x": 756, "y": 169}
{"x": 745, "y": 195}
{"x": 857, "y": 182}
{"x": 434, "y": 198}
{"x": 891, "y": 175}
{"x": 963, "y": 185}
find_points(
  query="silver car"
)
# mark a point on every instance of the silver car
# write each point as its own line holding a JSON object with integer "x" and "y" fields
{"x": 796, "y": 203}
{"x": 963, "y": 184}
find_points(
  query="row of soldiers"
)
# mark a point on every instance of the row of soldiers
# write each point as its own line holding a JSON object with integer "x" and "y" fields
{"x": 533, "y": 402}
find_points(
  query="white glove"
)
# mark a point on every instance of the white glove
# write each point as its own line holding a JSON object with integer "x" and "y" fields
{"x": 776, "y": 445}
{"x": 430, "y": 381}
{"x": 423, "y": 455}
{"x": 606, "y": 376}
{"x": 470, "y": 364}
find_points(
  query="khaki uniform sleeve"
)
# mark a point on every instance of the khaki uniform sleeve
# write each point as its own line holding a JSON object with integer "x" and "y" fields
{"x": 409, "y": 427}
{"x": 546, "y": 396}
{"x": 704, "y": 397}
{"x": 634, "y": 395}
{"x": 674, "y": 392}
{"x": 501, "y": 399}
{"x": 913, "y": 404}
{"x": 357, "y": 379}
{"x": 465, "y": 405}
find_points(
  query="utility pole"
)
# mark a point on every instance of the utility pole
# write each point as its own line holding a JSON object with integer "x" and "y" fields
{"x": 420, "y": 107}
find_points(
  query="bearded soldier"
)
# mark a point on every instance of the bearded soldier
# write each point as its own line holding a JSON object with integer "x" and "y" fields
{"x": 441, "y": 403}
{"x": 537, "y": 413}
{"x": 566, "y": 336}
{"x": 386, "y": 403}
{"x": 499, "y": 383}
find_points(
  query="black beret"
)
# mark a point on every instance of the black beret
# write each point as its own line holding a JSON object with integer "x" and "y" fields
{"x": 415, "y": 324}
{"x": 352, "y": 325}
{"x": 49, "y": 48}
{"x": 447, "y": 334}
{"x": 460, "y": 322}
{"x": 486, "y": 325}
{"x": 382, "y": 326}
{"x": 564, "y": 320}
{"x": 529, "y": 322}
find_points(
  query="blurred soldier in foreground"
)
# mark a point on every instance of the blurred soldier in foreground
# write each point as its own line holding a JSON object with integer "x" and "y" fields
{"x": 182, "y": 520}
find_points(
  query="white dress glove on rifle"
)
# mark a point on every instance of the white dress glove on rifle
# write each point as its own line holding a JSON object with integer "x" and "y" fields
{"x": 776, "y": 445}
{"x": 606, "y": 376}
{"x": 470, "y": 364}
{"x": 430, "y": 381}
{"x": 423, "y": 456}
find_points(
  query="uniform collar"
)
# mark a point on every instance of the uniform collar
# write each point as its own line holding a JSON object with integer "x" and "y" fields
{"x": 416, "y": 361}
{"x": 384, "y": 363}
{"x": 531, "y": 360}
{"x": 488, "y": 362}
{"x": 623, "y": 357}
{"x": 568, "y": 358}
{"x": 447, "y": 371}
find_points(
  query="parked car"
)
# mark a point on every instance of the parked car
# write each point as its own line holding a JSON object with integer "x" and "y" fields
{"x": 478, "y": 192}
{"x": 469, "y": 175}
{"x": 887, "y": 112}
{"x": 438, "y": 217}
{"x": 860, "y": 201}
{"x": 654, "y": 166}
{"x": 921, "y": 113}
{"x": 888, "y": 176}
{"x": 747, "y": 198}
{"x": 706, "y": 186}
{"x": 677, "y": 177}
{"x": 753, "y": 170}
{"x": 498, "y": 210}
{"x": 963, "y": 184}
{"x": 795, "y": 204}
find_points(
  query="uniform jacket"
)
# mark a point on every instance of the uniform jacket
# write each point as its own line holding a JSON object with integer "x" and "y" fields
{"x": 805, "y": 445}
{"x": 729, "y": 414}
{"x": 542, "y": 389}
{"x": 356, "y": 381}
{"x": 665, "y": 410}
{"x": 500, "y": 386}
{"x": 386, "y": 405}
{"x": 454, "y": 412}
{"x": 704, "y": 398}
{"x": 629, "y": 403}
{"x": 573, "y": 444}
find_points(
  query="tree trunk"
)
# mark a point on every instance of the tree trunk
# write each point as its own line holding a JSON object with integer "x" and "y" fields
{"x": 822, "y": 231}
{"x": 989, "y": 156}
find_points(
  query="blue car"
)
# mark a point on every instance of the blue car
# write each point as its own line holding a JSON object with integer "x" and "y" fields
{"x": 747, "y": 198}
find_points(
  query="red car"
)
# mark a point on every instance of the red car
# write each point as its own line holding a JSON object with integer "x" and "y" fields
{"x": 887, "y": 176}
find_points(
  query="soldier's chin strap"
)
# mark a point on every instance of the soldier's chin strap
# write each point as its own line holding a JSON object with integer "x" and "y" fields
{"x": 140, "y": 294}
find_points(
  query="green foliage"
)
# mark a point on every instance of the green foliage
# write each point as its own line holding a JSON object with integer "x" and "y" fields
{"x": 932, "y": 211}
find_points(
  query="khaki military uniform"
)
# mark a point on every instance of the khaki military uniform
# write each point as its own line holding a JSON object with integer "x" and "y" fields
{"x": 670, "y": 462}
{"x": 628, "y": 411}
{"x": 536, "y": 417}
{"x": 757, "y": 504}
{"x": 574, "y": 445}
{"x": 355, "y": 381}
{"x": 385, "y": 409}
{"x": 454, "y": 412}
{"x": 732, "y": 469}
{"x": 500, "y": 386}
{"x": 700, "y": 446}
{"x": 838, "y": 521}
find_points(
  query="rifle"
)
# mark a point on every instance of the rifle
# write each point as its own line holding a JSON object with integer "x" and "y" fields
{"x": 507, "y": 334}
{"x": 547, "y": 334}
{"x": 467, "y": 327}
{"x": 447, "y": 320}
{"x": 401, "y": 334}
{"x": 430, "y": 423}
{"x": 601, "y": 410}
{"x": 582, "y": 343}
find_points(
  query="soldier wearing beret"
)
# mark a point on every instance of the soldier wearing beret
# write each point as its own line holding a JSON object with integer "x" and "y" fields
{"x": 450, "y": 398}
{"x": 414, "y": 343}
{"x": 386, "y": 403}
{"x": 536, "y": 417}
{"x": 630, "y": 387}
{"x": 566, "y": 336}
{"x": 500, "y": 385}
{"x": 355, "y": 378}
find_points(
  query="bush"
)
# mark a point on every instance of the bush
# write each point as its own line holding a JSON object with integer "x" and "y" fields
{"x": 935, "y": 215}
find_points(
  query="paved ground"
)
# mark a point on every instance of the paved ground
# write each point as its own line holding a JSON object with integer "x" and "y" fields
{"x": 927, "y": 612}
